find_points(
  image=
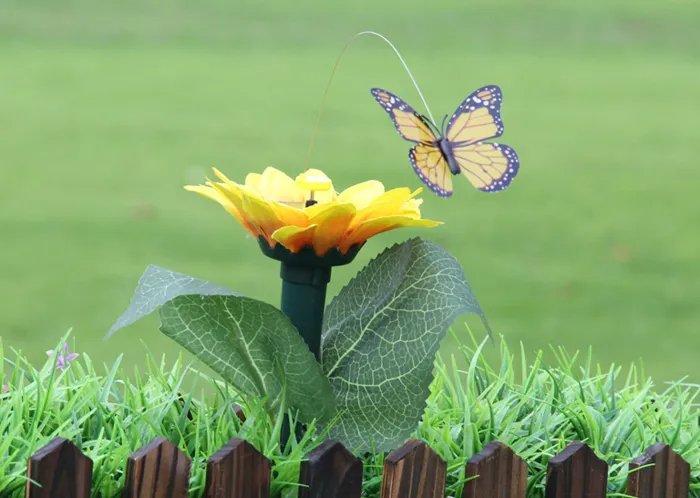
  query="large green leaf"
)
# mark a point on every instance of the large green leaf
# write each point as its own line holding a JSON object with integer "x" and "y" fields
{"x": 254, "y": 346}
{"x": 381, "y": 334}
{"x": 156, "y": 287}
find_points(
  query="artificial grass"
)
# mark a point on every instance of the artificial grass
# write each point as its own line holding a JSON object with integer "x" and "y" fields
{"x": 115, "y": 105}
{"x": 535, "y": 408}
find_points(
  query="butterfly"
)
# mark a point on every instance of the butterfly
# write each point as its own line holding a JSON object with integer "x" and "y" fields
{"x": 459, "y": 147}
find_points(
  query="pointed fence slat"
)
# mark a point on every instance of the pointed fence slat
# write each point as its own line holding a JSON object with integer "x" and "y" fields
{"x": 330, "y": 471}
{"x": 668, "y": 477}
{"x": 61, "y": 470}
{"x": 238, "y": 470}
{"x": 414, "y": 471}
{"x": 157, "y": 470}
{"x": 576, "y": 472}
{"x": 501, "y": 472}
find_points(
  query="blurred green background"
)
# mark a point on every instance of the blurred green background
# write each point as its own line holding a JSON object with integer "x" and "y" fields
{"x": 108, "y": 108}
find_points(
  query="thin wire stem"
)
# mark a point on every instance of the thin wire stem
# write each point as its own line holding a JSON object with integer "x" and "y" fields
{"x": 330, "y": 80}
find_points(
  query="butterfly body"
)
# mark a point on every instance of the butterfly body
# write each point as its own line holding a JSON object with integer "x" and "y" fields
{"x": 458, "y": 148}
{"x": 446, "y": 150}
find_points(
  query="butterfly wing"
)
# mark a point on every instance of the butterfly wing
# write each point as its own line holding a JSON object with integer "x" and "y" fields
{"x": 489, "y": 166}
{"x": 427, "y": 160}
{"x": 410, "y": 125}
{"x": 477, "y": 118}
{"x": 431, "y": 167}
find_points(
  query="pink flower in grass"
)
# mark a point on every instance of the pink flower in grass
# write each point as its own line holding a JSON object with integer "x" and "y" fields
{"x": 64, "y": 358}
{"x": 5, "y": 389}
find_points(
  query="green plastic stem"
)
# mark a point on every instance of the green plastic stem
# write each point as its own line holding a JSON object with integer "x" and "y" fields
{"x": 304, "y": 299}
{"x": 305, "y": 277}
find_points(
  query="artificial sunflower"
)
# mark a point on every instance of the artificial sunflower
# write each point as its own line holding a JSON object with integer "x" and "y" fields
{"x": 309, "y": 212}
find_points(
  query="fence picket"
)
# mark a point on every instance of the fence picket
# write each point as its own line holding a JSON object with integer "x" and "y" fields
{"x": 330, "y": 471}
{"x": 61, "y": 470}
{"x": 576, "y": 471}
{"x": 238, "y": 470}
{"x": 414, "y": 471}
{"x": 501, "y": 472}
{"x": 157, "y": 470}
{"x": 669, "y": 477}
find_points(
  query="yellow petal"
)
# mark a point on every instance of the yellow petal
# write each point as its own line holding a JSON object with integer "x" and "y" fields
{"x": 275, "y": 185}
{"x": 255, "y": 210}
{"x": 252, "y": 181}
{"x": 396, "y": 194}
{"x": 260, "y": 212}
{"x": 234, "y": 196}
{"x": 325, "y": 196}
{"x": 229, "y": 190}
{"x": 412, "y": 208}
{"x": 215, "y": 195}
{"x": 332, "y": 221}
{"x": 362, "y": 194}
{"x": 316, "y": 209}
{"x": 208, "y": 192}
{"x": 224, "y": 178}
{"x": 294, "y": 238}
{"x": 290, "y": 215}
{"x": 388, "y": 204}
{"x": 378, "y": 225}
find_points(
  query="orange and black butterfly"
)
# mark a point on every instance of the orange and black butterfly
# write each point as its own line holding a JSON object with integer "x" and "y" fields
{"x": 459, "y": 147}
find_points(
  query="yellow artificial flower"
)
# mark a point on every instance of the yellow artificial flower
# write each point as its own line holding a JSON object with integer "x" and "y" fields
{"x": 309, "y": 212}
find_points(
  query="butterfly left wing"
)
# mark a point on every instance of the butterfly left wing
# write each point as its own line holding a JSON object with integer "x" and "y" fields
{"x": 431, "y": 167}
{"x": 410, "y": 125}
{"x": 477, "y": 118}
{"x": 489, "y": 166}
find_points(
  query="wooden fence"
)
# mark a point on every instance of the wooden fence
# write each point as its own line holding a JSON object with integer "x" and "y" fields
{"x": 161, "y": 470}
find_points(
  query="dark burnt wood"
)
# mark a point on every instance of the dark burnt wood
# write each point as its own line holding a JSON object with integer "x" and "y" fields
{"x": 330, "y": 471}
{"x": 414, "y": 471}
{"x": 61, "y": 470}
{"x": 501, "y": 473}
{"x": 157, "y": 470}
{"x": 668, "y": 477}
{"x": 576, "y": 472}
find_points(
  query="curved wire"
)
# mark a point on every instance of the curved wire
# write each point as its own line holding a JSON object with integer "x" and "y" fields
{"x": 330, "y": 80}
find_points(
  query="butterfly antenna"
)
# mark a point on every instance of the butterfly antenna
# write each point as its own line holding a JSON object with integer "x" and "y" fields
{"x": 330, "y": 80}
{"x": 442, "y": 126}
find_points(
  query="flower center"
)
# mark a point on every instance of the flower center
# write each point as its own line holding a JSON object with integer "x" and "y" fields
{"x": 313, "y": 183}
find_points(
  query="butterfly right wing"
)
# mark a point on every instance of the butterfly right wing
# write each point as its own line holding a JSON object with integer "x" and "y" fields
{"x": 477, "y": 118}
{"x": 410, "y": 125}
{"x": 432, "y": 168}
{"x": 489, "y": 166}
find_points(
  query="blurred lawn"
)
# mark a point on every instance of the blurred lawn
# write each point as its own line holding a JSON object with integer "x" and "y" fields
{"x": 107, "y": 109}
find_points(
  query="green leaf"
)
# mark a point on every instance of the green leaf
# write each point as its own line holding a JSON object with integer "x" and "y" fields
{"x": 156, "y": 287}
{"x": 381, "y": 335}
{"x": 255, "y": 347}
